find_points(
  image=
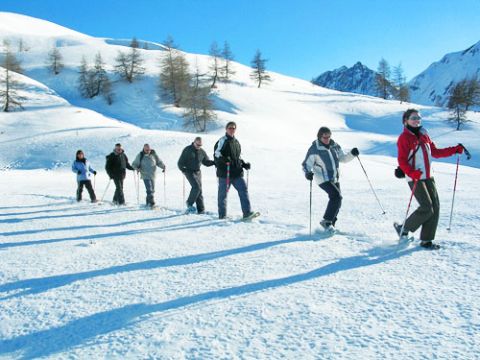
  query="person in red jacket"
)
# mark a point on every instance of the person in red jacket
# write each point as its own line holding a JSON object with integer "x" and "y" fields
{"x": 415, "y": 152}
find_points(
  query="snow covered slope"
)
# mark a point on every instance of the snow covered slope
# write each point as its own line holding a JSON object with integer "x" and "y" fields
{"x": 285, "y": 106}
{"x": 432, "y": 86}
{"x": 85, "y": 281}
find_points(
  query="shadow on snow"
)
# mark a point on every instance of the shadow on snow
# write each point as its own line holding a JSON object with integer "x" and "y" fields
{"x": 83, "y": 331}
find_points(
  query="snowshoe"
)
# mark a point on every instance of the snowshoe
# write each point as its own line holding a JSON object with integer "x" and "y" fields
{"x": 250, "y": 216}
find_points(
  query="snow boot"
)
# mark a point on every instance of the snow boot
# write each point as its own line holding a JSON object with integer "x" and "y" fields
{"x": 190, "y": 209}
{"x": 327, "y": 226}
{"x": 398, "y": 229}
{"x": 427, "y": 244}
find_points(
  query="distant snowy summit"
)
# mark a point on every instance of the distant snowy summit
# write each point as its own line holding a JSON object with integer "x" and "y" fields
{"x": 357, "y": 79}
{"x": 432, "y": 86}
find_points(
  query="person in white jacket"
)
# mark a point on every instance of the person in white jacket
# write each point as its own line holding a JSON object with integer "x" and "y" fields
{"x": 322, "y": 162}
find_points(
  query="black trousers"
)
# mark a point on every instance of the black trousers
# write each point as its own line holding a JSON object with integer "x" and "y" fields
{"x": 119, "y": 197}
{"x": 196, "y": 196}
{"x": 88, "y": 185}
{"x": 334, "y": 200}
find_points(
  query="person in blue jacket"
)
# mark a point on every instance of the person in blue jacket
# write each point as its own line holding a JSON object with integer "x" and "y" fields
{"x": 322, "y": 162}
{"x": 81, "y": 166}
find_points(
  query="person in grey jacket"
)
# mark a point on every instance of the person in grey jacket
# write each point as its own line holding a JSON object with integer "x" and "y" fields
{"x": 147, "y": 162}
{"x": 81, "y": 166}
{"x": 193, "y": 156}
{"x": 322, "y": 162}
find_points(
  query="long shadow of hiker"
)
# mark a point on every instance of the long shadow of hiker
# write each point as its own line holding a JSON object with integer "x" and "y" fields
{"x": 79, "y": 331}
{"x": 94, "y": 226}
{"x": 38, "y": 285}
{"x": 60, "y": 216}
{"x": 122, "y": 233}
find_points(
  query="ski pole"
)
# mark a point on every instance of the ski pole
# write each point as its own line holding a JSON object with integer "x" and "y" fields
{"x": 469, "y": 156}
{"x": 165, "y": 187}
{"x": 371, "y": 187}
{"x": 408, "y": 207}
{"x": 183, "y": 189}
{"x": 135, "y": 184}
{"x": 137, "y": 176}
{"x": 228, "y": 176}
{"x": 310, "y": 216}
{"x": 94, "y": 178}
{"x": 454, "y": 190}
{"x": 105, "y": 192}
{"x": 248, "y": 173}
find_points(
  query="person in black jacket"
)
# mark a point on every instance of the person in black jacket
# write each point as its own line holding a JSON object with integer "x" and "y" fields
{"x": 193, "y": 156}
{"x": 230, "y": 171}
{"x": 116, "y": 165}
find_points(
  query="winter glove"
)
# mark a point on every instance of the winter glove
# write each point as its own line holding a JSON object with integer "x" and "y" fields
{"x": 79, "y": 172}
{"x": 355, "y": 152}
{"x": 309, "y": 176}
{"x": 209, "y": 163}
{"x": 164, "y": 168}
{"x": 416, "y": 175}
{"x": 94, "y": 172}
{"x": 459, "y": 149}
{"x": 246, "y": 166}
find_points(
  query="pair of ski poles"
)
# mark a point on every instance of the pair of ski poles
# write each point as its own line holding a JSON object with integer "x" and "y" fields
{"x": 469, "y": 156}
{"x": 136, "y": 180}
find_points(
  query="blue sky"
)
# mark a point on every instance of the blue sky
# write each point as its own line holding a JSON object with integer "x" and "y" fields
{"x": 300, "y": 38}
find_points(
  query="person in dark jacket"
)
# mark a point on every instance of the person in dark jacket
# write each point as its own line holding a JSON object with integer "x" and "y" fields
{"x": 81, "y": 166}
{"x": 230, "y": 167}
{"x": 147, "y": 162}
{"x": 193, "y": 156}
{"x": 415, "y": 152}
{"x": 116, "y": 165}
{"x": 322, "y": 163}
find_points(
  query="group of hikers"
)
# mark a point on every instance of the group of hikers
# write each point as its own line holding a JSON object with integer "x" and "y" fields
{"x": 415, "y": 152}
{"x": 227, "y": 160}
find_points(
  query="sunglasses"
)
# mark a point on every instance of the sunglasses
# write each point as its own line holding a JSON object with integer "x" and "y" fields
{"x": 232, "y": 128}
{"x": 414, "y": 117}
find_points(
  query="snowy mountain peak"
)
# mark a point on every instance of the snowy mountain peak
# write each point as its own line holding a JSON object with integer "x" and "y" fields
{"x": 472, "y": 50}
{"x": 432, "y": 86}
{"x": 357, "y": 79}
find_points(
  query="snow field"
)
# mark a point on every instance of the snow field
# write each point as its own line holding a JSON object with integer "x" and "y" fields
{"x": 161, "y": 284}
